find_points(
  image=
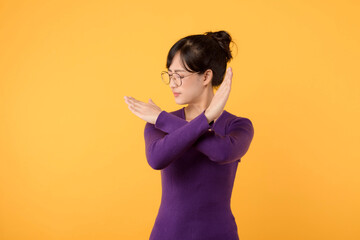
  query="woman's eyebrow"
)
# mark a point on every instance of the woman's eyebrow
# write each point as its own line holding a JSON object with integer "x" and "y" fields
{"x": 177, "y": 70}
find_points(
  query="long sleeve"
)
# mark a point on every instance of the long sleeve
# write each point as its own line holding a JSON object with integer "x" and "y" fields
{"x": 220, "y": 149}
{"x": 163, "y": 148}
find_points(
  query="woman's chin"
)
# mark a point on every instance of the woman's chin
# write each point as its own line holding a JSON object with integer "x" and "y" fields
{"x": 179, "y": 102}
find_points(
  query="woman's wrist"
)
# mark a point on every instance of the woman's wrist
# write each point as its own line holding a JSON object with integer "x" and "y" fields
{"x": 208, "y": 116}
{"x": 156, "y": 117}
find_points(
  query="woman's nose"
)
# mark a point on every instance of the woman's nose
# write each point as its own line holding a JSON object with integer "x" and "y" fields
{"x": 172, "y": 82}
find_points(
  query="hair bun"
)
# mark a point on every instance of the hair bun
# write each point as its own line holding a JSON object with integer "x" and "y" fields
{"x": 224, "y": 39}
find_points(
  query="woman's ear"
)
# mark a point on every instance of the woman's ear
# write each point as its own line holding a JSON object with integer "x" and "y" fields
{"x": 208, "y": 75}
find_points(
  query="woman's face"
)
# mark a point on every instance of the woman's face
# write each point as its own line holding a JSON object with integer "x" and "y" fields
{"x": 191, "y": 87}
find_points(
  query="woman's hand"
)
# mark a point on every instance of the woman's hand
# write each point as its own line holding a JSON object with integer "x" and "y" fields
{"x": 218, "y": 102}
{"x": 146, "y": 111}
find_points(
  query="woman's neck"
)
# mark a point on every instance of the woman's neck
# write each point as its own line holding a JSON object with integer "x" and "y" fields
{"x": 193, "y": 110}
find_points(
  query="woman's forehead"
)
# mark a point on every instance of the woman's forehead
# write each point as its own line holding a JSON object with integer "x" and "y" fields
{"x": 177, "y": 64}
{"x": 177, "y": 70}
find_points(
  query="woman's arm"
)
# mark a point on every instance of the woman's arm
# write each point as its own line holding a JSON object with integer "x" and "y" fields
{"x": 220, "y": 149}
{"x": 163, "y": 148}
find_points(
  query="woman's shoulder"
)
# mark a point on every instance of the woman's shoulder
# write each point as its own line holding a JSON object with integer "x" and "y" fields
{"x": 231, "y": 118}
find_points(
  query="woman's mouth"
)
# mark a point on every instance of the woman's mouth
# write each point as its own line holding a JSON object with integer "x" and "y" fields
{"x": 176, "y": 94}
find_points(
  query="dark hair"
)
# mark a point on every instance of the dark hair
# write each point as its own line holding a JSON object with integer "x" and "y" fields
{"x": 204, "y": 51}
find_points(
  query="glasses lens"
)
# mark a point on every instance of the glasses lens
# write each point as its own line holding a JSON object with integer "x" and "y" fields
{"x": 165, "y": 77}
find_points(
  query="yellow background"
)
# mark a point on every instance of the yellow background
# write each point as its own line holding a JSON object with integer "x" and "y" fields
{"x": 72, "y": 155}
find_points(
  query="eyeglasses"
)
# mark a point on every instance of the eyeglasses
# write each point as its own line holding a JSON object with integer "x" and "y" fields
{"x": 165, "y": 76}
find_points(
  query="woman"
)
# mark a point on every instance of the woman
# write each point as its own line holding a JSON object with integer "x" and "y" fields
{"x": 198, "y": 147}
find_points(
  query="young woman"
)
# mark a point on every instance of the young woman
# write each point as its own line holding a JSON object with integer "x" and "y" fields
{"x": 197, "y": 147}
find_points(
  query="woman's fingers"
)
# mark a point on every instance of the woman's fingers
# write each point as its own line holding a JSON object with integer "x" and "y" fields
{"x": 133, "y": 102}
{"x": 228, "y": 76}
{"x": 136, "y": 105}
{"x": 151, "y": 102}
{"x": 146, "y": 111}
{"x": 142, "y": 105}
{"x": 224, "y": 89}
{"x": 132, "y": 105}
{"x": 227, "y": 79}
{"x": 135, "y": 110}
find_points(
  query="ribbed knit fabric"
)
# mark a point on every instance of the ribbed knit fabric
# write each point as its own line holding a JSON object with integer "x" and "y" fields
{"x": 198, "y": 163}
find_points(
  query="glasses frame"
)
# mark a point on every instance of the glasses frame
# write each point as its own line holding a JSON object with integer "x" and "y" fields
{"x": 170, "y": 77}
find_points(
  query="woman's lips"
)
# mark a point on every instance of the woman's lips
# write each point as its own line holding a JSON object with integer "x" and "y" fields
{"x": 176, "y": 94}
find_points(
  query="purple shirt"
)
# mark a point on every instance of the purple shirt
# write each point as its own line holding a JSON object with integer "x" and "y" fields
{"x": 198, "y": 163}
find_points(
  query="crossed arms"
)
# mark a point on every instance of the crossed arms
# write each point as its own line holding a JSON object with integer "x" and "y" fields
{"x": 171, "y": 136}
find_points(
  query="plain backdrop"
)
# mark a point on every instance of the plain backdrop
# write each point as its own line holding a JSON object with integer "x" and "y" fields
{"x": 72, "y": 155}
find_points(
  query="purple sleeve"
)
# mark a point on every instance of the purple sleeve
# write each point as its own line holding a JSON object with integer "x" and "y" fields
{"x": 162, "y": 148}
{"x": 220, "y": 149}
